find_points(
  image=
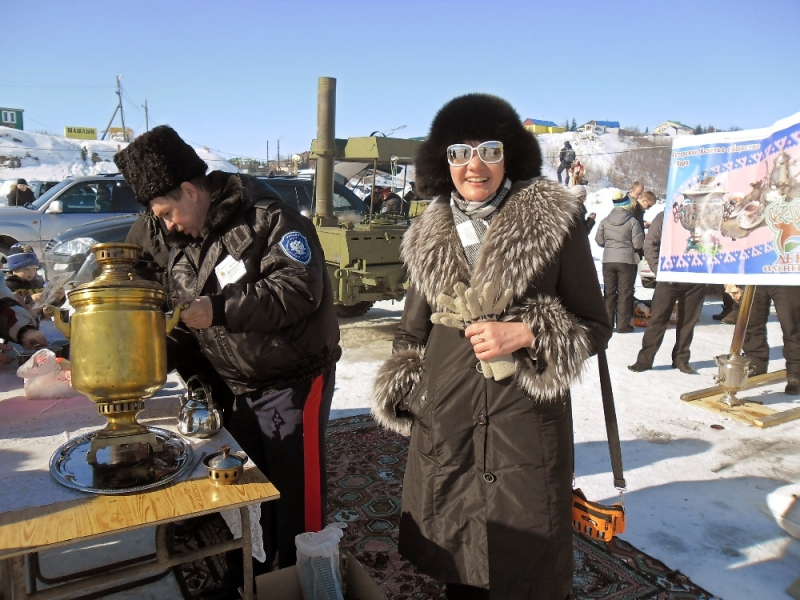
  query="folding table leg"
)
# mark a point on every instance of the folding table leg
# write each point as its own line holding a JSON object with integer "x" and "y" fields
{"x": 5, "y": 580}
{"x": 247, "y": 553}
{"x": 16, "y": 567}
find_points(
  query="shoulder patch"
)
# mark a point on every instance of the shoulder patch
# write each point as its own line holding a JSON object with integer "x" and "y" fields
{"x": 295, "y": 246}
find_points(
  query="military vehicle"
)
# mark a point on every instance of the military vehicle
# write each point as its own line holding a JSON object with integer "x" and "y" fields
{"x": 363, "y": 258}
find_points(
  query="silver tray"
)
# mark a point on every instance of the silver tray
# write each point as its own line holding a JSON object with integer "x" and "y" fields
{"x": 69, "y": 466}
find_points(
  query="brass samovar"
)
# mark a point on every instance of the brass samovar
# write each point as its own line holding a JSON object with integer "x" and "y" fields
{"x": 118, "y": 358}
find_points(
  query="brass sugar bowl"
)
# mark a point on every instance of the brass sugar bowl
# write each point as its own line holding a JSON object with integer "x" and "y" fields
{"x": 118, "y": 350}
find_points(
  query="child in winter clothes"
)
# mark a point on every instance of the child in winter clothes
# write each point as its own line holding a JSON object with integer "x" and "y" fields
{"x": 24, "y": 280}
{"x": 621, "y": 237}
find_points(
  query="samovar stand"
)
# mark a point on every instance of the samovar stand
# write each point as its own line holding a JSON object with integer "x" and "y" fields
{"x": 128, "y": 440}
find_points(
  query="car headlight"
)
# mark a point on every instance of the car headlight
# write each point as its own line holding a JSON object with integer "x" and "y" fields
{"x": 76, "y": 246}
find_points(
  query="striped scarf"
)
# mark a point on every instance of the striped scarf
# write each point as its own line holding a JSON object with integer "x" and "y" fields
{"x": 472, "y": 220}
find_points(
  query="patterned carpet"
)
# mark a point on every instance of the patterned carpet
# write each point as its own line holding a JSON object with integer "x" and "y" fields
{"x": 365, "y": 477}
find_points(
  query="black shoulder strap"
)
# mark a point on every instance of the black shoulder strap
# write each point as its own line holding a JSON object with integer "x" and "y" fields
{"x": 611, "y": 420}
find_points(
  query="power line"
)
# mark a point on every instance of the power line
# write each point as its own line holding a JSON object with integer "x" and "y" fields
{"x": 56, "y": 87}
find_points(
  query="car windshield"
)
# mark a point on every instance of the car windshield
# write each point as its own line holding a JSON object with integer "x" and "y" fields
{"x": 42, "y": 200}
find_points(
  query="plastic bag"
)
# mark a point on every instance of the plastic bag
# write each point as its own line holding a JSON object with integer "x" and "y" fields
{"x": 318, "y": 563}
{"x": 45, "y": 378}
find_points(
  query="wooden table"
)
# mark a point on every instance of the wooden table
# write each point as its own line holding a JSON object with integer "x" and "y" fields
{"x": 25, "y": 532}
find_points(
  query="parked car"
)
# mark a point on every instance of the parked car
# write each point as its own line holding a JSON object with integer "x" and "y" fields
{"x": 72, "y": 202}
{"x": 67, "y": 251}
{"x": 40, "y": 187}
{"x": 298, "y": 192}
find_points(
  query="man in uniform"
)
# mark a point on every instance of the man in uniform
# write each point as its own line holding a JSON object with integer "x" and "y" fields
{"x": 260, "y": 311}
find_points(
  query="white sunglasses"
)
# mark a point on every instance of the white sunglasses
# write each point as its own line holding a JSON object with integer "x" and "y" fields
{"x": 459, "y": 155}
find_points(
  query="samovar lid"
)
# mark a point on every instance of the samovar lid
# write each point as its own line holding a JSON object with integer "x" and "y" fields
{"x": 117, "y": 261}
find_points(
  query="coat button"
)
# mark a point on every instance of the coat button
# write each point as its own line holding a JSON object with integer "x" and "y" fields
{"x": 482, "y": 420}
{"x": 488, "y": 478}
{"x": 423, "y": 399}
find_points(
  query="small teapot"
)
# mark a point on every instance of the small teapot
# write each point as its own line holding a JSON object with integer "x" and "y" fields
{"x": 199, "y": 416}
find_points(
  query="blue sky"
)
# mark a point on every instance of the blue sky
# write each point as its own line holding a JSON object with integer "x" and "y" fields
{"x": 234, "y": 75}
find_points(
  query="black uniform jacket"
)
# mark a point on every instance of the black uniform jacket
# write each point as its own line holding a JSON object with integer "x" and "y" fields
{"x": 275, "y": 326}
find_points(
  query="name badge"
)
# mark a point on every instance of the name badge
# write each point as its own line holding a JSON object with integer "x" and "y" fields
{"x": 229, "y": 270}
{"x": 467, "y": 234}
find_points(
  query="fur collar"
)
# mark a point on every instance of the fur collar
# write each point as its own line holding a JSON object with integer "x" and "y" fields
{"x": 227, "y": 192}
{"x": 524, "y": 237}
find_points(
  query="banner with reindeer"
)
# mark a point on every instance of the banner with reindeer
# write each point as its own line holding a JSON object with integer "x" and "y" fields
{"x": 733, "y": 207}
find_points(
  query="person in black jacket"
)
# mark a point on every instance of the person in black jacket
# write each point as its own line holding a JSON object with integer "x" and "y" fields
{"x": 786, "y": 299}
{"x": 565, "y": 158}
{"x": 261, "y": 312}
{"x": 20, "y": 194}
{"x": 689, "y": 297}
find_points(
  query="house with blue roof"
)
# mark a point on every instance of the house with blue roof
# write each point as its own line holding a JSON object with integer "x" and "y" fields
{"x": 600, "y": 127}
{"x": 539, "y": 126}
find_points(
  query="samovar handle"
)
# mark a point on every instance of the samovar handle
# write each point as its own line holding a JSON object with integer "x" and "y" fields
{"x": 52, "y": 311}
{"x": 173, "y": 320}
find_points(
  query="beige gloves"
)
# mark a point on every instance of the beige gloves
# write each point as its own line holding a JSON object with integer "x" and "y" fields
{"x": 469, "y": 305}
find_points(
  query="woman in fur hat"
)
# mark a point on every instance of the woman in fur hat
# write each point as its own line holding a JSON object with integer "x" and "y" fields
{"x": 502, "y": 310}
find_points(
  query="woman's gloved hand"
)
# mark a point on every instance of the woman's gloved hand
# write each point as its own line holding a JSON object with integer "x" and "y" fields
{"x": 474, "y": 309}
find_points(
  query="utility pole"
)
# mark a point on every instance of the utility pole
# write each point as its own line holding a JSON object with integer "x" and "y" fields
{"x": 267, "y": 155}
{"x": 279, "y": 155}
{"x": 121, "y": 114}
{"x": 118, "y": 108}
{"x": 146, "y": 119}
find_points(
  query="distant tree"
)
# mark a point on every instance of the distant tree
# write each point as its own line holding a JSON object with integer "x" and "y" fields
{"x": 735, "y": 128}
{"x": 566, "y": 125}
{"x": 711, "y": 129}
{"x": 647, "y": 129}
{"x": 698, "y": 130}
{"x": 574, "y": 126}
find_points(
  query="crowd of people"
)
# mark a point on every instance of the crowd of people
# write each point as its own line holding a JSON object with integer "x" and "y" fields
{"x": 503, "y": 308}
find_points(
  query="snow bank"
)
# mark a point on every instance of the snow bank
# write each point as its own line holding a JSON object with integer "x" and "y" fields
{"x": 52, "y": 158}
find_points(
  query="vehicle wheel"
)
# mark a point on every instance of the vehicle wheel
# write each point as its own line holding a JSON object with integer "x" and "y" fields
{"x": 356, "y": 310}
{"x": 4, "y": 249}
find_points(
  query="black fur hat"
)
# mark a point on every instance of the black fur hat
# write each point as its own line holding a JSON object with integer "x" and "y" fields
{"x": 157, "y": 162}
{"x": 475, "y": 117}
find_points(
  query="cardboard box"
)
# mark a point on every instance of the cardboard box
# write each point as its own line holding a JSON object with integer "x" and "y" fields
{"x": 285, "y": 584}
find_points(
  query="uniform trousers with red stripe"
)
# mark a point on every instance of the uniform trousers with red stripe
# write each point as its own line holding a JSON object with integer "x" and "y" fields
{"x": 283, "y": 431}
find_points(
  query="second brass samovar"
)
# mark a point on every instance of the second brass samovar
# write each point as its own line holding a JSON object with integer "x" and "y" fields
{"x": 118, "y": 354}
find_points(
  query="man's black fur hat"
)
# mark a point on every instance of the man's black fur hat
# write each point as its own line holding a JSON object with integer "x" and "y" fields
{"x": 475, "y": 117}
{"x": 157, "y": 162}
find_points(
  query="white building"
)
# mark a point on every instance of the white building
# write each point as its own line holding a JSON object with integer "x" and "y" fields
{"x": 673, "y": 128}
